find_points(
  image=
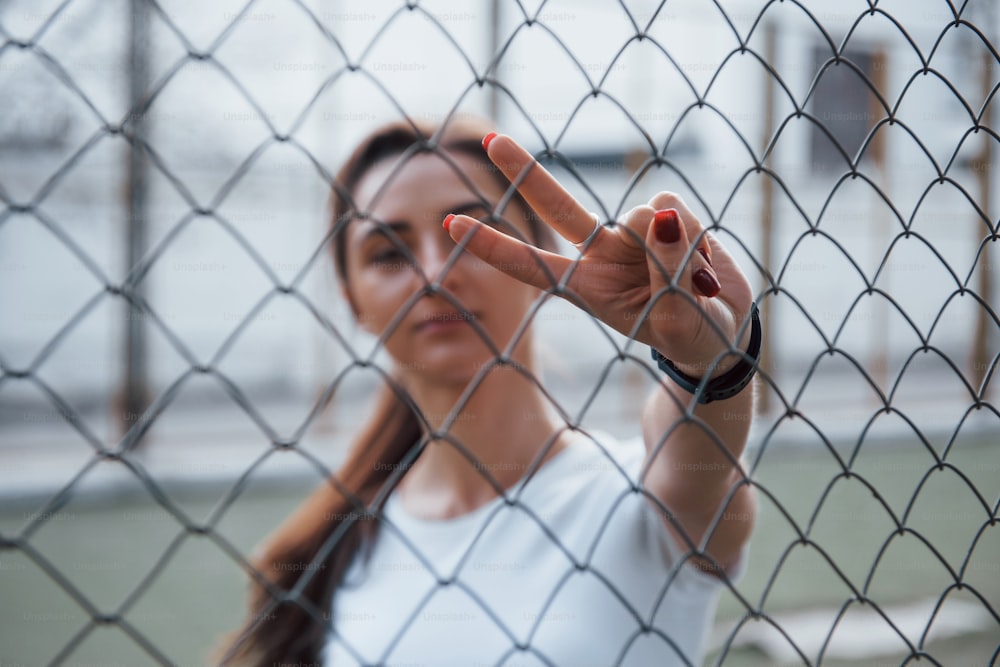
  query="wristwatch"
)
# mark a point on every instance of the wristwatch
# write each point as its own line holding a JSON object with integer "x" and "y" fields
{"x": 729, "y": 383}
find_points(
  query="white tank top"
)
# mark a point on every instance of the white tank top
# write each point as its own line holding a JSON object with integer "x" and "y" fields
{"x": 577, "y": 570}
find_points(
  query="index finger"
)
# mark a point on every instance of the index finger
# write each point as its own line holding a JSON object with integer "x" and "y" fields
{"x": 550, "y": 200}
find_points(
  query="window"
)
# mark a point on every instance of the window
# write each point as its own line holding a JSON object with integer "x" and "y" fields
{"x": 845, "y": 105}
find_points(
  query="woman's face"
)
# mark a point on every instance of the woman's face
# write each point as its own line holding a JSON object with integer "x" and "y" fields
{"x": 435, "y": 337}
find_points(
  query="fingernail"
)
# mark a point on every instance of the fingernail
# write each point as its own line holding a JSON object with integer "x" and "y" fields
{"x": 487, "y": 139}
{"x": 704, "y": 253}
{"x": 667, "y": 226}
{"x": 447, "y": 222}
{"x": 706, "y": 283}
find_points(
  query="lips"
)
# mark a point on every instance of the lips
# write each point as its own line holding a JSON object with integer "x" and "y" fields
{"x": 444, "y": 320}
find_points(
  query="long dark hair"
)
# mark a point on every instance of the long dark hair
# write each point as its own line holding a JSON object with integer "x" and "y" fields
{"x": 302, "y": 564}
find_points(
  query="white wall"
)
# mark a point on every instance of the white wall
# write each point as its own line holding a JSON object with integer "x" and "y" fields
{"x": 204, "y": 131}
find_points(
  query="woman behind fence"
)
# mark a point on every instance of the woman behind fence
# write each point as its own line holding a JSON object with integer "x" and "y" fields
{"x": 469, "y": 525}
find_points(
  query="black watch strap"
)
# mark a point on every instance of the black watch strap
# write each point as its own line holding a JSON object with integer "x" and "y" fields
{"x": 729, "y": 383}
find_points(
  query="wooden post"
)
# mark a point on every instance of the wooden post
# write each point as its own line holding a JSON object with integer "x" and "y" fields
{"x": 767, "y": 223}
{"x": 983, "y": 165}
{"x": 878, "y": 365}
{"x": 133, "y": 398}
{"x": 494, "y": 48}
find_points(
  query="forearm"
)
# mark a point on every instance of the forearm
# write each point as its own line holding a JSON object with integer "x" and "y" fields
{"x": 698, "y": 451}
{"x": 695, "y": 469}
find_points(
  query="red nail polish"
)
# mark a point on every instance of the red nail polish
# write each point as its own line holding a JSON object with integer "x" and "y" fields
{"x": 487, "y": 139}
{"x": 704, "y": 253}
{"x": 447, "y": 221}
{"x": 706, "y": 283}
{"x": 667, "y": 226}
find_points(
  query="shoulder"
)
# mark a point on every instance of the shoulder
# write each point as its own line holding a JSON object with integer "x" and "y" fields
{"x": 601, "y": 484}
{"x": 609, "y": 462}
{"x": 598, "y": 454}
{"x": 594, "y": 465}
{"x": 589, "y": 480}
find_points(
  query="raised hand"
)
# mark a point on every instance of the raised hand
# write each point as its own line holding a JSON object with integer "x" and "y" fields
{"x": 656, "y": 276}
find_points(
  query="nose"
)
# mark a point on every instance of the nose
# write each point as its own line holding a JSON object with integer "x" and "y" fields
{"x": 437, "y": 263}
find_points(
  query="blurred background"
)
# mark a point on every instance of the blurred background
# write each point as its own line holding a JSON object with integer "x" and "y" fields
{"x": 178, "y": 369}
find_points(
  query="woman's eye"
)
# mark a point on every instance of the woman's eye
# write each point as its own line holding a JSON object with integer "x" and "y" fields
{"x": 390, "y": 259}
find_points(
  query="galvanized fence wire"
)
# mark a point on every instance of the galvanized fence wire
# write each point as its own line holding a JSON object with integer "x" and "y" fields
{"x": 772, "y": 274}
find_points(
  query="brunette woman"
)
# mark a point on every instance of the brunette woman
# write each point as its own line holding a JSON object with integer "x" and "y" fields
{"x": 470, "y": 525}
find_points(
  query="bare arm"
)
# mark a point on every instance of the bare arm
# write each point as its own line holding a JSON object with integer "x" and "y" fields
{"x": 691, "y": 469}
{"x": 656, "y": 276}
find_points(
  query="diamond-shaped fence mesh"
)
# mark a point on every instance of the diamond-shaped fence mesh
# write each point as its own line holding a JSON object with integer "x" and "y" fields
{"x": 180, "y": 369}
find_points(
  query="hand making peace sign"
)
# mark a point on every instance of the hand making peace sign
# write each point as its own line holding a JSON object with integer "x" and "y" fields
{"x": 640, "y": 277}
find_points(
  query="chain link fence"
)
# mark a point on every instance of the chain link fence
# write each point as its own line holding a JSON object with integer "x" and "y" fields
{"x": 178, "y": 369}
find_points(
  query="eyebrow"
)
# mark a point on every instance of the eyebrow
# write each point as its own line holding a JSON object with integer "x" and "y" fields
{"x": 461, "y": 209}
{"x": 379, "y": 228}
